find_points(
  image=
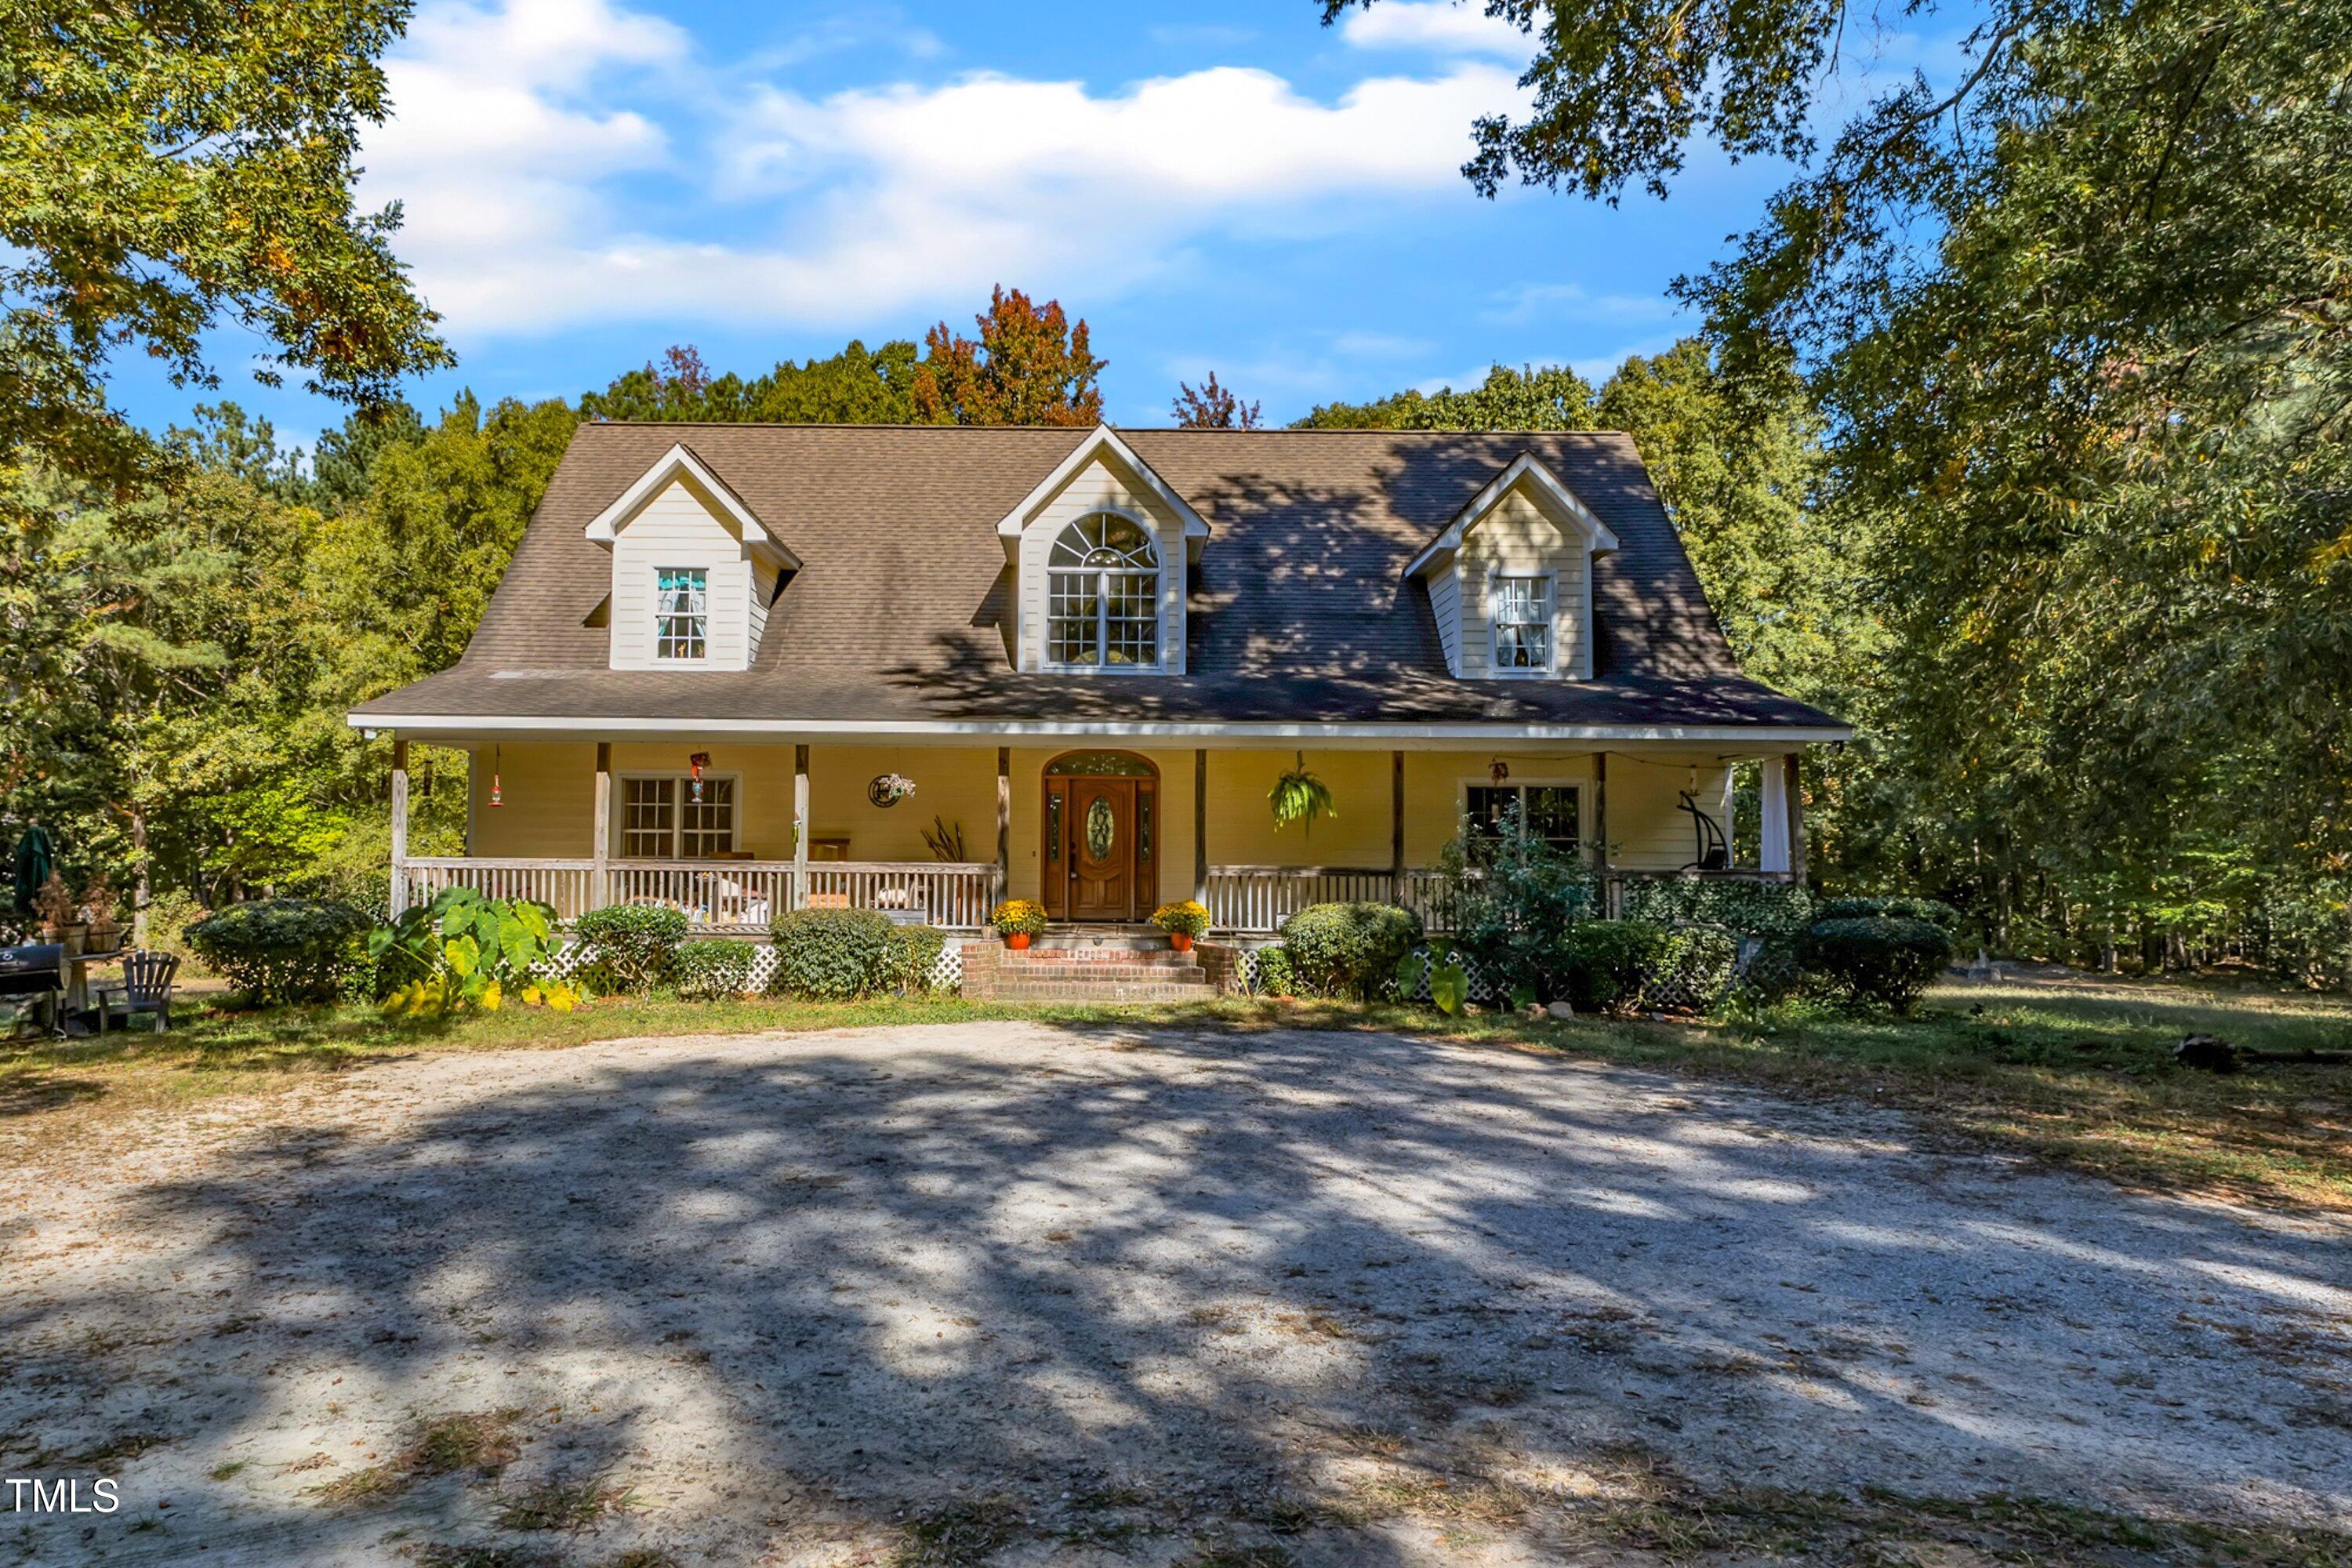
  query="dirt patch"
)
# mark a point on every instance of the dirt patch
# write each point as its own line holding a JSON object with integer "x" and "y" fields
{"x": 1010, "y": 1293}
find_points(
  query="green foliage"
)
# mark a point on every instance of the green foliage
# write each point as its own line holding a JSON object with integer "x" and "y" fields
{"x": 831, "y": 954}
{"x": 1277, "y": 977}
{"x": 911, "y": 958}
{"x": 1550, "y": 397}
{"x": 1602, "y": 965}
{"x": 713, "y": 969}
{"x": 284, "y": 950}
{"x": 1750, "y": 909}
{"x": 1691, "y": 971}
{"x": 1440, "y": 968}
{"x": 1349, "y": 950}
{"x": 1016, "y": 917}
{"x": 1935, "y": 911}
{"x": 1510, "y": 896}
{"x": 1188, "y": 916}
{"x": 1876, "y": 961}
{"x": 857, "y": 386}
{"x": 463, "y": 951}
{"x": 1299, "y": 795}
{"x": 634, "y": 945}
{"x": 167, "y": 169}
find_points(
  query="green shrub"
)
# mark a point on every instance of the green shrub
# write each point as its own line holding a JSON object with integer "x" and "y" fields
{"x": 1510, "y": 897}
{"x": 911, "y": 957}
{"x": 1935, "y": 911}
{"x": 1876, "y": 961}
{"x": 1603, "y": 965}
{"x": 464, "y": 950}
{"x": 831, "y": 955}
{"x": 1744, "y": 908}
{"x": 285, "y": 950}
{"x": 1349, "y": 950}
{"x": 1276, "y": 976}
{"x": 1693, "y": 969}
{"x": 634, "y": 944}
{"x": 170, "y": 913}
{"x": 713, "y": 970}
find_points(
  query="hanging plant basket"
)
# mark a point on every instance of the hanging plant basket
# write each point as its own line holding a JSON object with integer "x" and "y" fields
{"x": 887, "y": 789}
{"x": 1298, "y": 796}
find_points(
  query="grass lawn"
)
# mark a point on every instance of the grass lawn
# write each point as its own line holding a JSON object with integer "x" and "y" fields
{"x": 2078, "y": 1074}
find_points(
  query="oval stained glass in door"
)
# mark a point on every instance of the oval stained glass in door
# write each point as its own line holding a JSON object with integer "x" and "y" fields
{"x": 1102, "y": 829}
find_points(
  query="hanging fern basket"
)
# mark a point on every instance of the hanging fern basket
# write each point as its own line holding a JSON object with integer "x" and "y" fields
{"x": 1299, "y": 797}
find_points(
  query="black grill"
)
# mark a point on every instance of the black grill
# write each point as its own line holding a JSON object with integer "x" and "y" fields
{"x": 32, "y": 970}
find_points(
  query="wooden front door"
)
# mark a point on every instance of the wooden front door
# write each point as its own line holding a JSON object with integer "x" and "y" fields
{"x": 1100, "y": 862}
{"x": 1102, "y": 849}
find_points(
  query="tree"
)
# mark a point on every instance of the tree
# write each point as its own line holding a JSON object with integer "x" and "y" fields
{"x": 166, "y": 164}
{"x": 1550, "y": 397}
{"x": 857, "y": 386}
{"x": 1030, "y": 365}
{"x": 1212, "y": 408}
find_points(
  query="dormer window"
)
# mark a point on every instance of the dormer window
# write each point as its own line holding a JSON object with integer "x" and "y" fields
{"x": 1103, "y": 593}
{"x": 1523, "y": 624}
{"x": 681, "y": 613}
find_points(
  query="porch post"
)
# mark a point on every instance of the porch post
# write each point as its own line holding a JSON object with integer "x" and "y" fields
{"x": 600, "y": 880}
{"x": 399, "y": 824}
{"x": 1003, "y": 823}
{"x": 1201, "y": 825}
{"x": 1396, "y": 826}
{"x": 1796, "y": 816}
{"x": 1601, "y": 833}
{"x": 800, "y": 828}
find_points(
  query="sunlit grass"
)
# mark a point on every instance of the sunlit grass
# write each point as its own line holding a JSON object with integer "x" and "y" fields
{"x": 2079, "y": 1075}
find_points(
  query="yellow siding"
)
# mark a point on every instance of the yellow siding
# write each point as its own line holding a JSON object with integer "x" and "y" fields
{"x": 549, "y": 794}
{"x": 1095, "y": 487}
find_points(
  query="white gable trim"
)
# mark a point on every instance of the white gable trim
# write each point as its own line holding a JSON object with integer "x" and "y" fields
{"x": 1101, "y": 440}
{"x": 680, "y": 462}
{"x": 1523, "y": 467}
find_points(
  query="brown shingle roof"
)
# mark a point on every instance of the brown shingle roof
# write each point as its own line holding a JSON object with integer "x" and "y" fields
{"x": 1300, "y": 610}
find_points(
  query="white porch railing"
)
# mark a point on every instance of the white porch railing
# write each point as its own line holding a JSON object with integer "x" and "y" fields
{"x": 740, "y": 895}
{"x": 1254, "y": 900}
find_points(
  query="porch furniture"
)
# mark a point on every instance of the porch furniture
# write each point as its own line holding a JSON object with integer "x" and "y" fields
{"x": 34, "y": 976}
{"x": 145, "y": 987}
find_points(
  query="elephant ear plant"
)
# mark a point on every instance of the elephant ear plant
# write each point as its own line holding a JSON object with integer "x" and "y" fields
{"x": 463, "y": 951}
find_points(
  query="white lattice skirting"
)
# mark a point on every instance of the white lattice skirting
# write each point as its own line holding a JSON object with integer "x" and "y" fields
{"x": 947, "y": 972}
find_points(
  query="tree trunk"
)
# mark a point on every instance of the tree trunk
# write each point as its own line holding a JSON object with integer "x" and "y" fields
{"x": 143, "y": 891}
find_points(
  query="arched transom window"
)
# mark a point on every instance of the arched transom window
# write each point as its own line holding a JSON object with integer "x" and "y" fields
{"x": 1102, "y": 584}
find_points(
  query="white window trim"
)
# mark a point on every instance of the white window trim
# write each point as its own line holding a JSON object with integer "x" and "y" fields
{"x": 1583, "y": 786}
{"x": 709, "y": 620}
{"x": 1550, "y": 671}
{"x": 619, "y": 825}
{"x": 1046, "y": 664}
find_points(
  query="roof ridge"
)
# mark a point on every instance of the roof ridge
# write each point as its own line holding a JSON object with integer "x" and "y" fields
{"x": 1073, "y": 429}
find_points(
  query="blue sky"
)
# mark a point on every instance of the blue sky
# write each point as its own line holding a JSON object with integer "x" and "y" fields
{"x": 1228, "y": 186}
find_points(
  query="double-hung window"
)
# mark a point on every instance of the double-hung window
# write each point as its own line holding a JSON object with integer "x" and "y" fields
{"x": 1523, "y": 623}
{"x": 668, "y": 819}
{"x": 681, "y": 613}
{"x": 1102, "y": 595}
{"x": 1548, "y": 812}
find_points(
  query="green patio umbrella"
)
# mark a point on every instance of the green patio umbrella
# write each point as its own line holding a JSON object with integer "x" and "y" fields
{"x": 35, "y": 856}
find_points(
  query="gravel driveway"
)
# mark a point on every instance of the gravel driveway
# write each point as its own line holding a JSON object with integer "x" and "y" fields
{"x": 1061, "y": 1295}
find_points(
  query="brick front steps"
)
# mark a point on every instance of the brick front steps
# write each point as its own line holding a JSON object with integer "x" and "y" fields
{"x": 1098, "y": 965}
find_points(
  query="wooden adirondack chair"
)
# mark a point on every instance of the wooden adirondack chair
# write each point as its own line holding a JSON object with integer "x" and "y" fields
{"x": 146, "y": 989}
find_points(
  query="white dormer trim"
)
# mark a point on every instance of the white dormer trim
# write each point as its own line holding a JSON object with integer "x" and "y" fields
{"x": 680, "y": 462}
{"x": 1099, "y": 441}
{"x": 1523, "y": 467}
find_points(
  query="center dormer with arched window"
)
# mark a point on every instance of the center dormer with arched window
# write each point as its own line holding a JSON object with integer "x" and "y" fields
{"x": 1098, "y": 552}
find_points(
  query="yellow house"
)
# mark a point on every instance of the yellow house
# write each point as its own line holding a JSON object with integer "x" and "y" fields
{"x": 743, "y": 669}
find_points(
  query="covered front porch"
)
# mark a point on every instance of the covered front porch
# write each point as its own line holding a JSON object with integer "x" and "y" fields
{"x": 936, "y": 832}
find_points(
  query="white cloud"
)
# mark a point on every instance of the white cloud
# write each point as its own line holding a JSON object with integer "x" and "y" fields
{"x": 524, "y": 130}
{"x": 1574, "y": 302}
{"x": 1438, "y": 26}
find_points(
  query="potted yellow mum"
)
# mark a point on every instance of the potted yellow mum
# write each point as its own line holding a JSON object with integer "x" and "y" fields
{"x": 1183, "y": 922}
{"x": 1017, "y": 921}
